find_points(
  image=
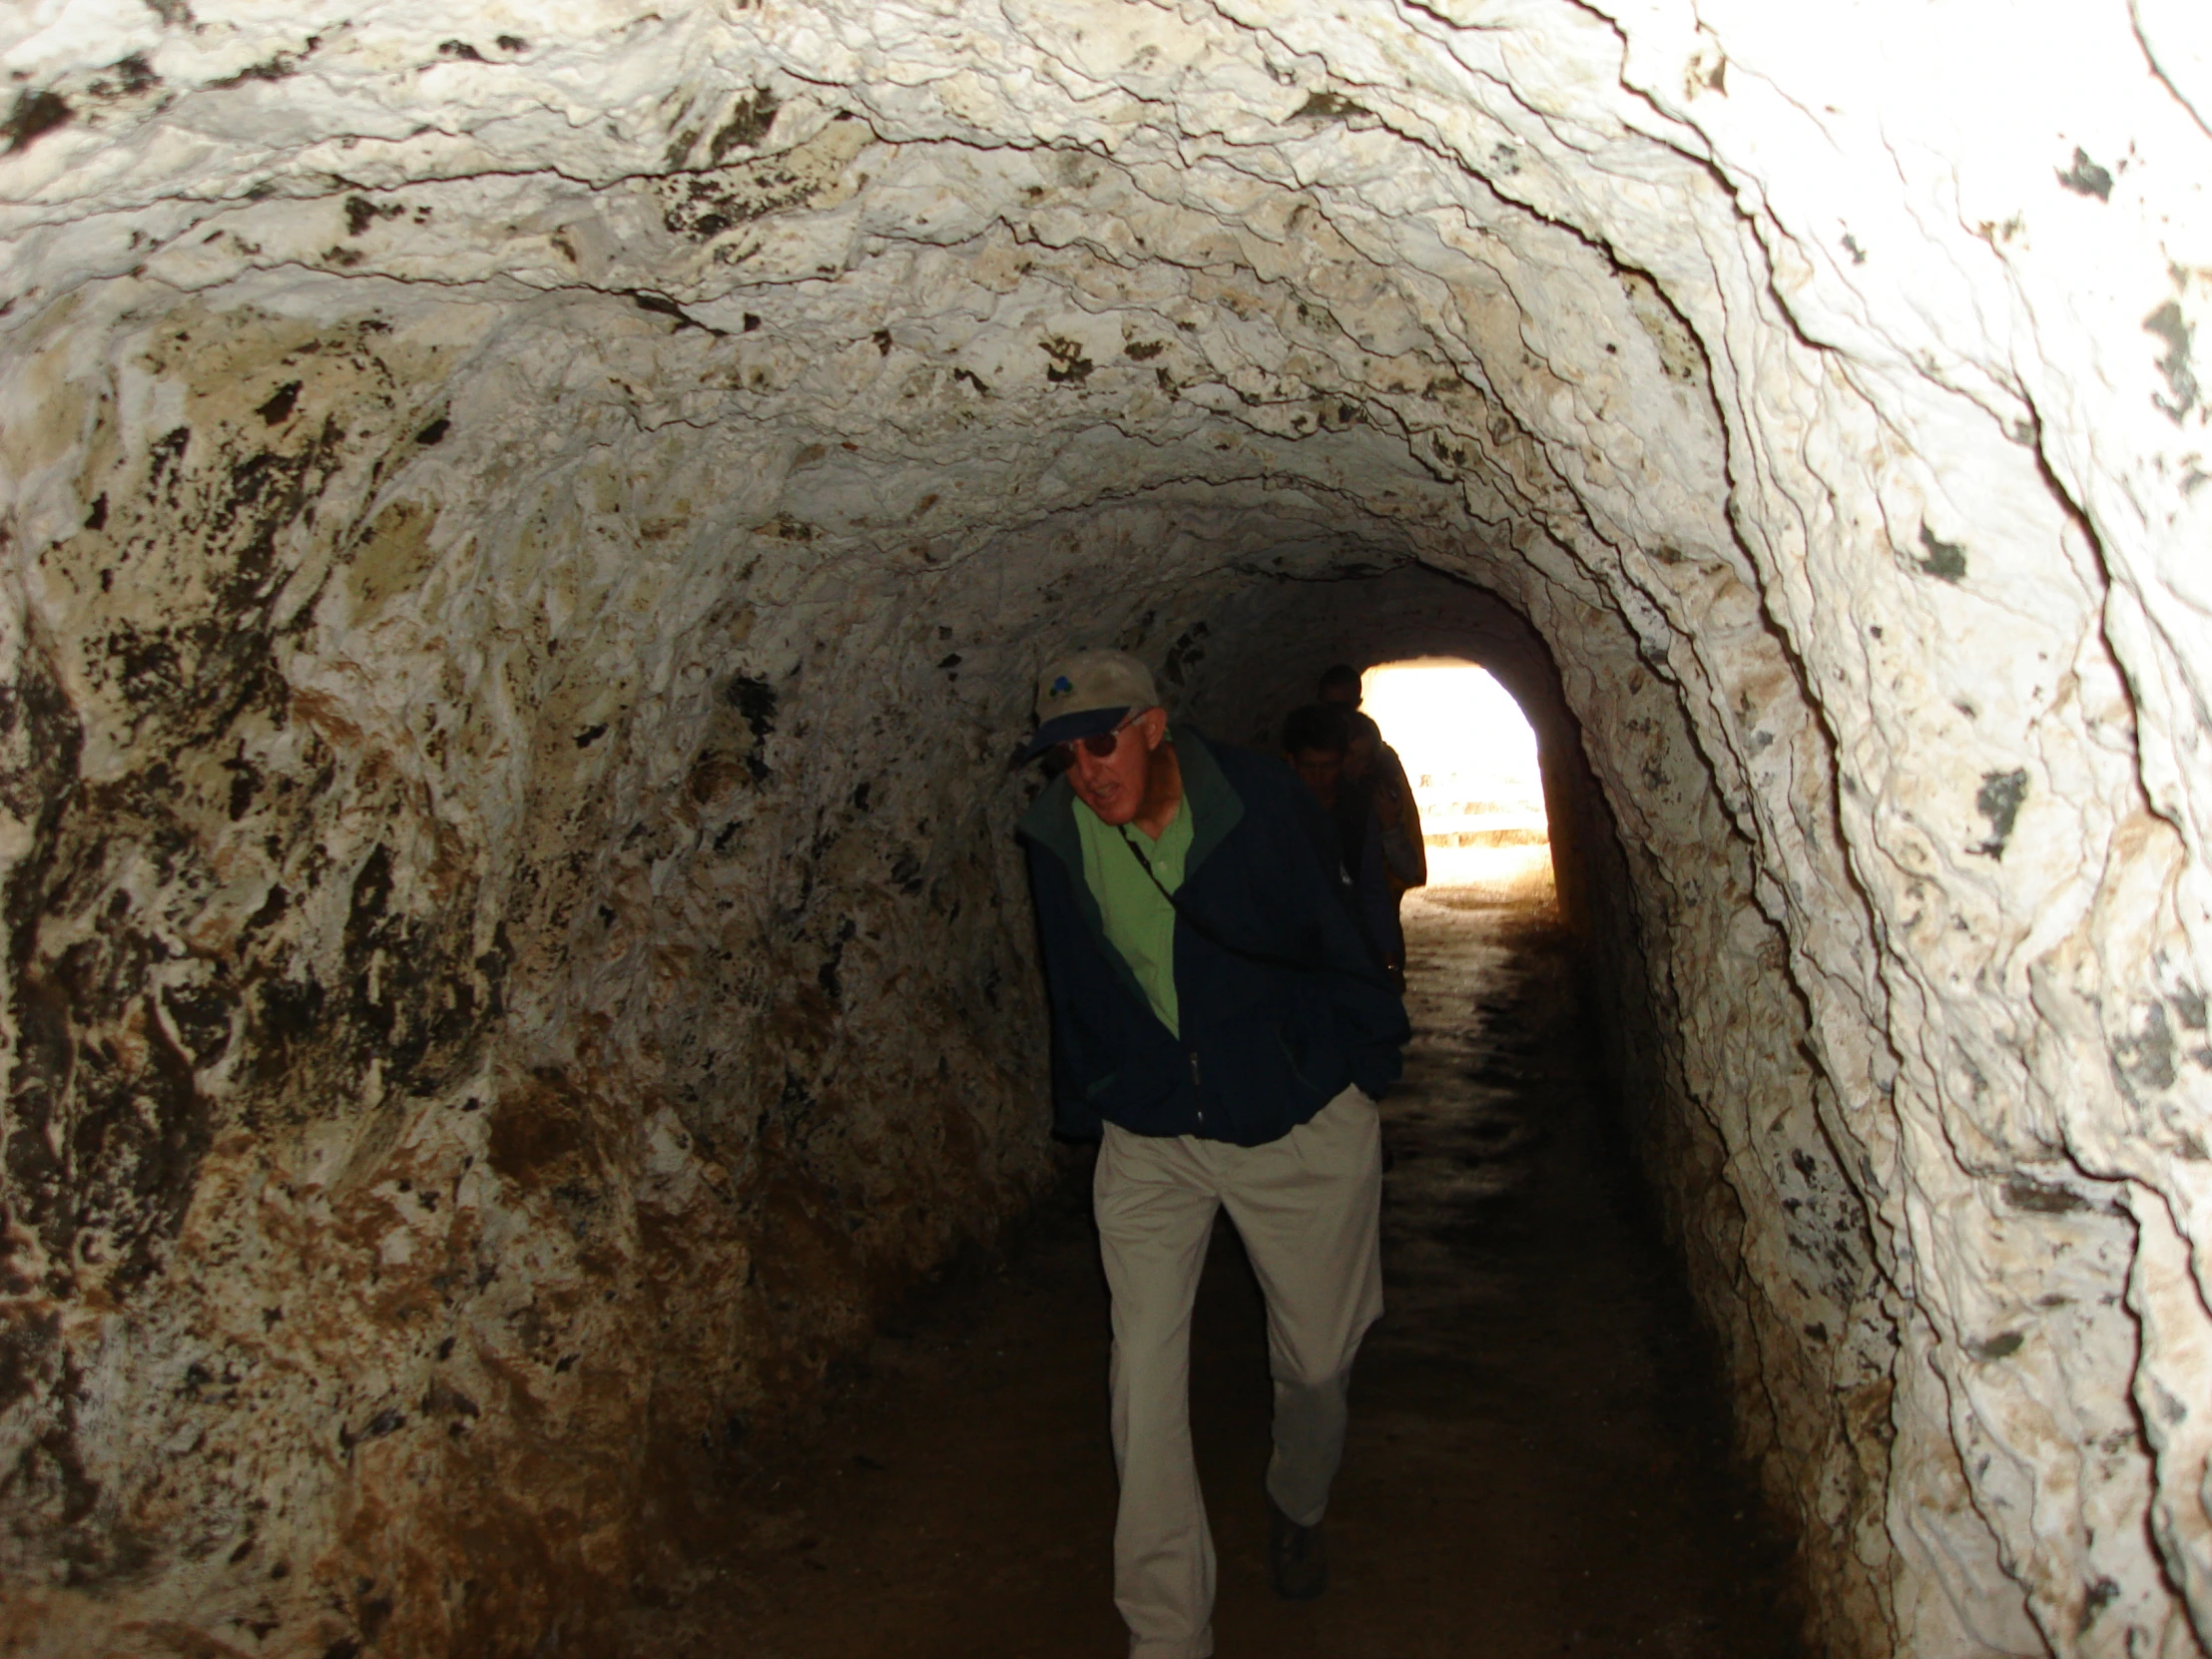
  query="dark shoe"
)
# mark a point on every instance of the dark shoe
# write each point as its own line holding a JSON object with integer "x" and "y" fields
{"x": 1298, "y": 1566}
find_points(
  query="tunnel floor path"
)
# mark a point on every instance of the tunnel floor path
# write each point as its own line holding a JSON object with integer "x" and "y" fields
{"x": 1538, "y": 1459}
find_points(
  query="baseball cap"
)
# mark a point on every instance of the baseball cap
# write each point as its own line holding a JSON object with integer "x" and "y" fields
{"x": 1086, "y": 692}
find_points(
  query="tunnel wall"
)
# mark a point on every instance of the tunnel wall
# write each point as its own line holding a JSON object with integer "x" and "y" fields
{"x": 455, "y": 478}
{"x": 464, "y": 988}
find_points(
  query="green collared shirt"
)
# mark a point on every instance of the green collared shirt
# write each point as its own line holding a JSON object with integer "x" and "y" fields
{"x": 1139, "y": 920}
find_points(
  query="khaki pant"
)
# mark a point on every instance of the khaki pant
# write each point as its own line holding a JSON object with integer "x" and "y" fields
{"x": 1308, "y": 1208}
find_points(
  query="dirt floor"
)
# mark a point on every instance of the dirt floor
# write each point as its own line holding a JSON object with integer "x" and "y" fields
{"x": 1537, "y": 1458}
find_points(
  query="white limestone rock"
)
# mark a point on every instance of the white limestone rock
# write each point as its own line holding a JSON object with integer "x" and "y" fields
{"x": 527, "y": 536}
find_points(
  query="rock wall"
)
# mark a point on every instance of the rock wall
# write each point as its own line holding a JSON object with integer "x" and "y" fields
{"x": 527, "y": 537}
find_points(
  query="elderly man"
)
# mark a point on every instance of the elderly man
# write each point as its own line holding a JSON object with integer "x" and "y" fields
{"x": 1221, "y": 1028}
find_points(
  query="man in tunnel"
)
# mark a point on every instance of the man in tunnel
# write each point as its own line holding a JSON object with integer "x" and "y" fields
{"x": 1220, "y": 1027}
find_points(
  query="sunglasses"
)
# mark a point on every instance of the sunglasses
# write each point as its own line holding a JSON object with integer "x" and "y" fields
{"x": 1098, "y": 745}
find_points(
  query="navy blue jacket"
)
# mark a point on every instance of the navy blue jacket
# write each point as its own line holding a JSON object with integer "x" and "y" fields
{"x": 1265, "y": 1043}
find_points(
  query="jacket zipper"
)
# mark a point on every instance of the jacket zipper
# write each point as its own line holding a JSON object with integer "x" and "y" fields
{"x": 1195, "y": 1086}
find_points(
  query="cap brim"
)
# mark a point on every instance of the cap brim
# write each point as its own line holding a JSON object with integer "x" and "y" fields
{"x": 1068, "y": 728}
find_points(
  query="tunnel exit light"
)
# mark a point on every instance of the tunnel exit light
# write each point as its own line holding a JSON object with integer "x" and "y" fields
{"x": 1472, "y": 757}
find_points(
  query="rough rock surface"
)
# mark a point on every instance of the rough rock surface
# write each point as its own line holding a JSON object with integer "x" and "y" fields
{"x": 527, "y": 532}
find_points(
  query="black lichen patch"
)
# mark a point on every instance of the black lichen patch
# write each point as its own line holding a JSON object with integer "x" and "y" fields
{"x": 460, "y": 49}
{"x": 660, "y": 304}
{"x": 132, "y": 76}
{"x": 2041, "y": 1198}
{"x": 1144, "y": 351}
{"x": 749, "y": 121}
{"x": 2085, "y": 178}
{"x": 1944, "y": 560}
{"x": 2146, "y": 1058}
{"x": 2002, "y": 1346}
{"x": 361, "y": 212}
{"x": 275, "y": 67}
{"x": 1185, "y": 654}
{"x": 279, "y": 408}
{"x": 35, "y": 115}
{"x": 1999, "y": 800}
{"x": 1329, "y": 106}
{"x": 2168, "y": 325}
{"x": 756, "y": 701}
{"x": 1068, "y": 366}
{"x": 435, "y": 432}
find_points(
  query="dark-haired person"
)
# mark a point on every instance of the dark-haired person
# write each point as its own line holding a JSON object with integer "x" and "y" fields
{"x": 1318, "y": 742}
{"x": 1374, "y": 764}
{"x": 1220, "y": 1028}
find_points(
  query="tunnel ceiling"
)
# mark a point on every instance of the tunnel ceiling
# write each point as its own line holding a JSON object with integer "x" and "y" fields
{"x": 529, "y": 530}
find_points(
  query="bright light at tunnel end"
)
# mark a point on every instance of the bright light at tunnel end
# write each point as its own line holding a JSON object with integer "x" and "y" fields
{"x": 1471, "y": 755}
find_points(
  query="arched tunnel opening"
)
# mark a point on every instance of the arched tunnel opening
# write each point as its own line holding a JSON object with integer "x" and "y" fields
{"x": 1471, "y": 765}
{"x": 529, "y": 542}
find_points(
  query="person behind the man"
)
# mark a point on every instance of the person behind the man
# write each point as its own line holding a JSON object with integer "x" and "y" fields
{"x": 1376, "y": 763}
{"x": 1316, "y": 740}
{"x": 1374, "y": 769}
{"x": 1218, "y": 1026}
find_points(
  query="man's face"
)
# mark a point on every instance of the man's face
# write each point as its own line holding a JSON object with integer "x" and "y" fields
{"x": 1360, "y": 758}
{"x": 1321, "y": 769}
{"x": 1113, "y": 785}
{"x": 1349, "y": 696}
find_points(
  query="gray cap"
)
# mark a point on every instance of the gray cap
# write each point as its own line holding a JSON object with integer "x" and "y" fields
{"x": 1085, "y": 692}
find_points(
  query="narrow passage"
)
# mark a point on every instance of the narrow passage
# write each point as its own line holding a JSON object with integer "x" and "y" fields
{"x": 1538, "y": 1461}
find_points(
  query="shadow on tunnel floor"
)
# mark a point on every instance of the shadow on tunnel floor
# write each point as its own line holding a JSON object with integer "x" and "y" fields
{"x": 1538, "y": 1460}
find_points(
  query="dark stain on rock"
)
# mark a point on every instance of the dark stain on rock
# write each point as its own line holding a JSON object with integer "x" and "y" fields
{"x": 435, "y": 432}
{"x": 1068, "y": 365}
{"x": 460, "y": 49}
{"x": 290, "y": 1018}
{"x": 756, "y": 701}
{"x": 2168, "y": 325}
{"x": 205, "y": 1018}
{"x": 277, "y": 409}
{"x": 1999, "y": 800}
{"x": 2147, "y": 1058}
{"x": 132, "y": 74}
{"x": 35, "y": 115}
{"x": 1329, "y": 106}
{"x": 2000, "y": 1346}
{"x": 2041, "y": 1198}
{"x": 372, "y": 897}
{"x": 591, "y": 735}
{"x": 2085, "y": 178}
{"x": 660, "y": 304}
{"x": 1945, "y": 560}
{"x": 361, "y": 212}
{"x": 276, "y": 66}
{"x": 749, "y": 119}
